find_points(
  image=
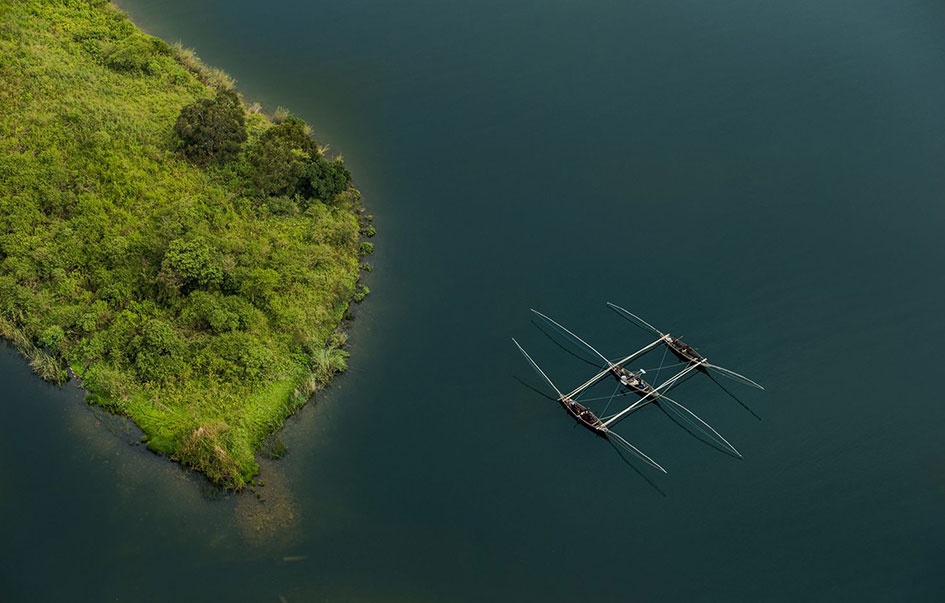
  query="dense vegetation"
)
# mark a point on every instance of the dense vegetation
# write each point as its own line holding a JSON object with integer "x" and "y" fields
{"x": 189, "y": 259}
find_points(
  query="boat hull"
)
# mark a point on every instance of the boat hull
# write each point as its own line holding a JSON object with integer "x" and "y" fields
{"x": 685, "y": 353}
{"x": 584, "y": 417}
{"x": 641, "y": 388}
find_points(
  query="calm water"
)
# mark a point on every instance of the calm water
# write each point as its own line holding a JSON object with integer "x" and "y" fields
{"x": 766, "y": 180}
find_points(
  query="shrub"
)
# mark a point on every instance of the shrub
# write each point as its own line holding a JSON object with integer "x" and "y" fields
{"x": 282, "y": 206}
{"x": 190, "y": 264}
{"x": 117, "y": 338}
{"x": 212, "y": 129}
{"x": 134, "y": 53}
{"x": 218, "y": 313}
{"x": 51, "y": 337}
{"x": 258, "y": 285}
{"x": 233, "y": 357}
{"x": 127, "y": 262}
{"x": 158, "y": 351}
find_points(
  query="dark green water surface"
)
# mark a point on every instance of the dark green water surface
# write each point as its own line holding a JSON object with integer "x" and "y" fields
{"x": 765, "y": 178}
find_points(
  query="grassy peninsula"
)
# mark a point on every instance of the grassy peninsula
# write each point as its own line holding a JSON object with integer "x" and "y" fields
{"x": 188, "y": 258}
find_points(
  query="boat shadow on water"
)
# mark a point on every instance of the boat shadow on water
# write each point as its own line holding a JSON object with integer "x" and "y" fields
{"x": 697, "y": 433}
{"x": 733, "y": 396}
{"x": 688, "y": 426}
{"x": 629, "y": 463}
{"x": 534, "y": 389}
{"x": 545, "y": 330}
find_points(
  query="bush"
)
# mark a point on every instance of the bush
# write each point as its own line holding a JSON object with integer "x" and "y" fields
{"x": 159, "y": 351}
{"x": 233, "y": 357}
{"x": 212, "y": 129}
{"x": 51, "y": 337}
{"x": 282, "y": 206}
{"x": 190, "y": 264}
{"x": 115, "y": 342}
{"x": 218, "y": 313}
{"x": 134, "y": 53}
{"x": 48, "y": 367}
{"x": 258, "y": 285}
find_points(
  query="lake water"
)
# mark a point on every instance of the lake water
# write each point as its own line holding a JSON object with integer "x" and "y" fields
{"x": 765, "y": 179}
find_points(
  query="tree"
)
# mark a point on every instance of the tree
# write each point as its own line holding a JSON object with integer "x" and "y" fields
{"x": 279, "y": 159}
{"x": 212, "y": 129}
{"x": 286, "y": 161}
{"x": 325, "y": 179}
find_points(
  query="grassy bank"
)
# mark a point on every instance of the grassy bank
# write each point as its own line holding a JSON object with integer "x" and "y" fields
{"x": 189, "y": 259}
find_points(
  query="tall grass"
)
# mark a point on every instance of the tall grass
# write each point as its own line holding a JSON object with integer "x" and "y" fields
{"x": 211, "y": 76}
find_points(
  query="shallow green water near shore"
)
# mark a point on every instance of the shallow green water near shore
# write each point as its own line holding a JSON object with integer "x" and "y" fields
{"x": 767, "y": 181}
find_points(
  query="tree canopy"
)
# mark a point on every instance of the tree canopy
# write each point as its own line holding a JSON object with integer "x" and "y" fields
{"x": 212, "y": 129}
{"x": 287, "y": 161}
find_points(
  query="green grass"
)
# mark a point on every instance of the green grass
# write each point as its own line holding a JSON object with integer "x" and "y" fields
{"x": 93, "y": 191}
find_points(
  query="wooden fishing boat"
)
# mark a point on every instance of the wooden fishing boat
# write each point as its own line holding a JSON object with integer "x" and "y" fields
{"x": 633, "y": 383}
{"x": 584, "y": 416}
{"x": 682, "y": 350}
